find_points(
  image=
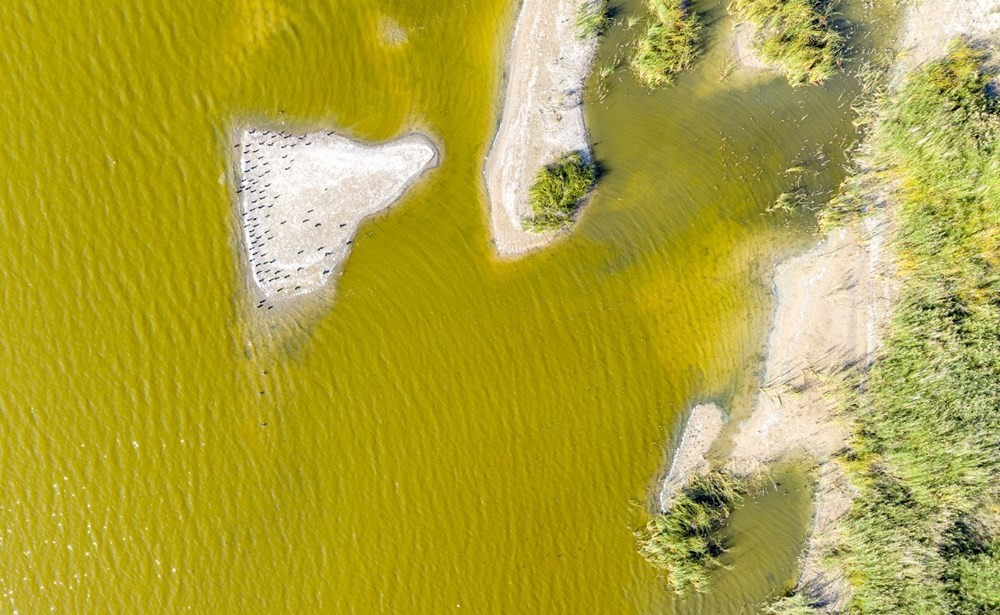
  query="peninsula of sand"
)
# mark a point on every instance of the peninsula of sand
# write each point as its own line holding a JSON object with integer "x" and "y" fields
{"x": 541, "y": 117}
{"x": 301, "y": 197}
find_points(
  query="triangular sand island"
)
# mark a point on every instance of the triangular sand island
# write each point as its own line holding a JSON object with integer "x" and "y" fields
{"x": 301, "y": 198}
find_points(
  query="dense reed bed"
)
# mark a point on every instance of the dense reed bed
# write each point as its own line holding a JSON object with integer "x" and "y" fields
{"x": 670, "y": 45}
{"x": 557, "y": 192}
{"x": 684, "y": 541}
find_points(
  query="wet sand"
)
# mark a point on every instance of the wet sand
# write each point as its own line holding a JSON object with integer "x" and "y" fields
{"x": 301, "y": 198}
{"x": 831, "y": 303}
{"x": 932, "y": 24}
{"x": 691, "y": 457}
{"x": 541, "y": 118}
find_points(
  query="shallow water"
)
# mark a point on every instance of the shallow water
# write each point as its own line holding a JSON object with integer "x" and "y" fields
{"x": 452, "y": 431}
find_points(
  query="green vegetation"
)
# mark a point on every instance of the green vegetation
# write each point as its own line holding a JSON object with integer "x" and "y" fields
{"x": 923, "y": 535}
{"x": 670, "y": 45}
{"x": 684, "y": 542}
{"x": 794, "y": 35}
{"x": 593, "y": 18}
{"x": 557, "y": 192}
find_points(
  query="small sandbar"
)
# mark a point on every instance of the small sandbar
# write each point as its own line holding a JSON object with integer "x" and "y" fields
{"x": 390, "y": 33}
{"x": 691, "y": 457}
{"x": 542, "y": 116}
{"x": 301, "y": 197}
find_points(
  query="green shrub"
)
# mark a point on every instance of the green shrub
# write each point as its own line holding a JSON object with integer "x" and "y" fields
{"x": 671, "y": 43}
{"x": 557, "y": 192}
{"x": 794, "y": 35}
{"x": 592, "y": 18}
{"x": 684, "y": 542}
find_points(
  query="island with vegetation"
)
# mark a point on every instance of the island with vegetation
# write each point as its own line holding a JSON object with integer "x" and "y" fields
{"x": 795, "y": 37}
{"x": 670, "y": 44}
{"x": 541, "y": 122}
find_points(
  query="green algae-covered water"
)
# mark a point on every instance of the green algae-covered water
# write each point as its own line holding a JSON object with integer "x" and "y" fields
{"x": 451, "y": 432}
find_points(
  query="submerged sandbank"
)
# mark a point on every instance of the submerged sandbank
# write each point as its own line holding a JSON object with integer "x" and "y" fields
{"x": 301, "y": 198}
{"x": 932, "y": 24}
{"x": 542, "y": 115}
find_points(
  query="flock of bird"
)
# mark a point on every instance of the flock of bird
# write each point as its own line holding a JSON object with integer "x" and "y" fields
{"x": 263, "y": 155}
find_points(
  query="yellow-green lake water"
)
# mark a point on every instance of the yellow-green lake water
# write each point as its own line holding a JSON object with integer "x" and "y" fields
{"x": 452, "y": 432}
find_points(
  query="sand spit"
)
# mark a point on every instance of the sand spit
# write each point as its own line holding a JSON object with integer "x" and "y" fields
{"x": 542, "y": 115}
{"x": 691, "y": 457}
{"x": 301, "y": 197}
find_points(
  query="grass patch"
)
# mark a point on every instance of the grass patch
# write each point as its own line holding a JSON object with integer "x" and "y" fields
{"x": 684, "y": 542}
{"x": 593, "y": 18}
{"x": 671, "y": 43}
{"x": 924, "y": 534}
{"x": 794, "y": 35}
{"x": 557, "y": 192}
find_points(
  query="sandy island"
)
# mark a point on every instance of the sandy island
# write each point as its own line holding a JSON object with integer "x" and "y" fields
{"x": 301, "y": 197}
{"x": 542, "y": 115}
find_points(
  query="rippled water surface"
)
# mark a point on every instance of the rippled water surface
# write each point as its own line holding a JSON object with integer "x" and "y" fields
{"x": 451, "y": 432}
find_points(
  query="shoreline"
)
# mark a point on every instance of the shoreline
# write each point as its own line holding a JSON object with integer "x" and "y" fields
{"x": 300, "y": 198}
{"x": 924, "y": 36}
{"x": 831, "y": 303}
{"x": 541, "y": 116}
{"x": 832, "y": 306}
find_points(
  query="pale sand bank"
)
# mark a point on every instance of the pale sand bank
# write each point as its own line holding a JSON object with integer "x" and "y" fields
{"x": 691, "y": 457}
{"x": 542, "y": 115}
{"x": 931, "y": 24}
{"x": 301, "y": 198}
{"x": 831, "y": 302}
